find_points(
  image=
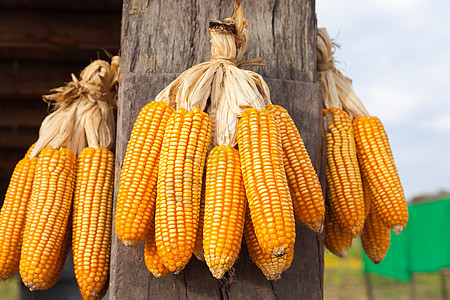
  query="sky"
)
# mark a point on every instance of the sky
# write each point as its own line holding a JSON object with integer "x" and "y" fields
{"x": 397, "y": 52}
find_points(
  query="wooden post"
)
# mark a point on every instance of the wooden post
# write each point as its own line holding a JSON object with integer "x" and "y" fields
{"x": 161, "y": 39}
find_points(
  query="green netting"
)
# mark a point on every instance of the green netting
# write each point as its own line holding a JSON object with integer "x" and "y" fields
{"x": 424, "y": 245}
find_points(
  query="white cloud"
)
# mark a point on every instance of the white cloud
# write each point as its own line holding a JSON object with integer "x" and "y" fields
{"x": 396, "y": 6}
{"x": 441, "y": 123}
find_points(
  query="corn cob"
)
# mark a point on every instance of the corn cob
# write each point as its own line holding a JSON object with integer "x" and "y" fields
{"x": 378, "y": 167}
{"x": 99, "y": 296}
{"x": 198, "y": 247}
{"x": 306, "y": 192}
{"x": 152, "y": 259}
{"x": 28, "y": 154}
{"x": 137, "y": 187}
{"x": 47, "y": 216}
{"x": 346, "y": 196}
{"x": 186, "y": 142}
{"x": 62, "y": 256}
{"x": 92, "y": 206}
{"x": 270, "y": 265}
{"x": 224, "y": 210}
{"x": 12, "y": 215}
{"x": 265, "y": 181}
{"x": 375, "y": 238}
{"x": 367, "y": 200}
{"x": 337, "y": 241}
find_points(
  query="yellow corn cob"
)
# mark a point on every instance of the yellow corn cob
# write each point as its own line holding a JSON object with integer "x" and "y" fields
{"x": 92, "y": 209}
{"x": 289, "y": 259}
{"x": 344, "y": 184}
{"x": 306, "y": 192}
{"x": 28, "y": 154}
{"x": 181, "y": 166}
{"x": 269, "y": 264}
{"x": 152, "y": 259}
{"x": 265, "y": 181}
{"x": 99, "y": 296}
{"x": 336, "y": 240}
{"x": 12, "y": 215}
{"x": 367, "y": 200}
{"x": 224, "y": 210}
{"x": 378, "y": 167}
{"x": 62, "y": 256}
{"x": 198, "y": 247}
{"x": 47, "y": 216}
{"x": 137, "y": 187}
{"x": 375, "y": 238}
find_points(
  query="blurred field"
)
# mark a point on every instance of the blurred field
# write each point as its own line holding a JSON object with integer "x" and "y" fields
{"x": 9, "y": 289}
{"x": 344, "y": 280}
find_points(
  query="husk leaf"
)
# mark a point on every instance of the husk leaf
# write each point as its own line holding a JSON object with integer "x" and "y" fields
{"x": 337, "y": 88}
{"x": 219, "y": 85}
{"x": 83, "y": 110}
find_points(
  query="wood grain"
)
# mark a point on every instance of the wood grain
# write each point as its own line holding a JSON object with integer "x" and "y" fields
{"x": 171, "y": 36}
{"x": 159, "y": 41}
{"x": 57, "y": 35}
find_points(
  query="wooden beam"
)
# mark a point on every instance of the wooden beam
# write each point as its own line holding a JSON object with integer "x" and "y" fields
{"x": 31, "y": 80}
{"x": 57, "y": 36}
{"x": 81, "y": 5}
{"x": 27, "y": 113}
{"x": 18, "y": 138}
{"x": 162, "y": 40}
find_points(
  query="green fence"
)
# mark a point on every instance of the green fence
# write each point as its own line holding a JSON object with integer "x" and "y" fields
{"x": 424, "y": 245}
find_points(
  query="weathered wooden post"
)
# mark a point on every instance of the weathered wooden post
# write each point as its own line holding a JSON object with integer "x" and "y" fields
{"x": 161, "y": 39}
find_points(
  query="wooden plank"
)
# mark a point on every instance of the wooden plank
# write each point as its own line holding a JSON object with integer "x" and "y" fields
{"x": 25, "y": 113}
{"x": 63, "y": 36}
{"x": 80, "y": 5}
{"x": 18, "y": 138}
{"x": 162, "y": 39}
{"x": 31, "y": 80}
{"x": 169, "y": 37}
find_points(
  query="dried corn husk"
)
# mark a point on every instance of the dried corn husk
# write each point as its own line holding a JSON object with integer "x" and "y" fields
{"x": 83, "y": 110}
{"x": 337, "y": 88}
{"x": 229, "y": 89}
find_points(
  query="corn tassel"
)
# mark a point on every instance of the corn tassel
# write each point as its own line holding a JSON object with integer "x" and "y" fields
{"x": 186, "y": 142}
{"x": 265, "y": 181}
{"x": 306, "y": 192}
{"x": 151, "y": 257}
{"x": 92, "y": 216}
{"x": 12, "y": 215}
{"x": 346, "y": 196}
{"x": 378, "y": 167}
{"x": 137, "y": 187}
{"x": 47, "y": 216}
{"x": 224, "y": 210}
{"x": 270, "y": 265}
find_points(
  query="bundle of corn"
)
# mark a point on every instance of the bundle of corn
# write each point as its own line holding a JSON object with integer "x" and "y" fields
{"x": 95, "y": 97}
{"x": 162, "y": 172}
{"x": 357, "y": 148}
{"x": 39, "y": 200}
